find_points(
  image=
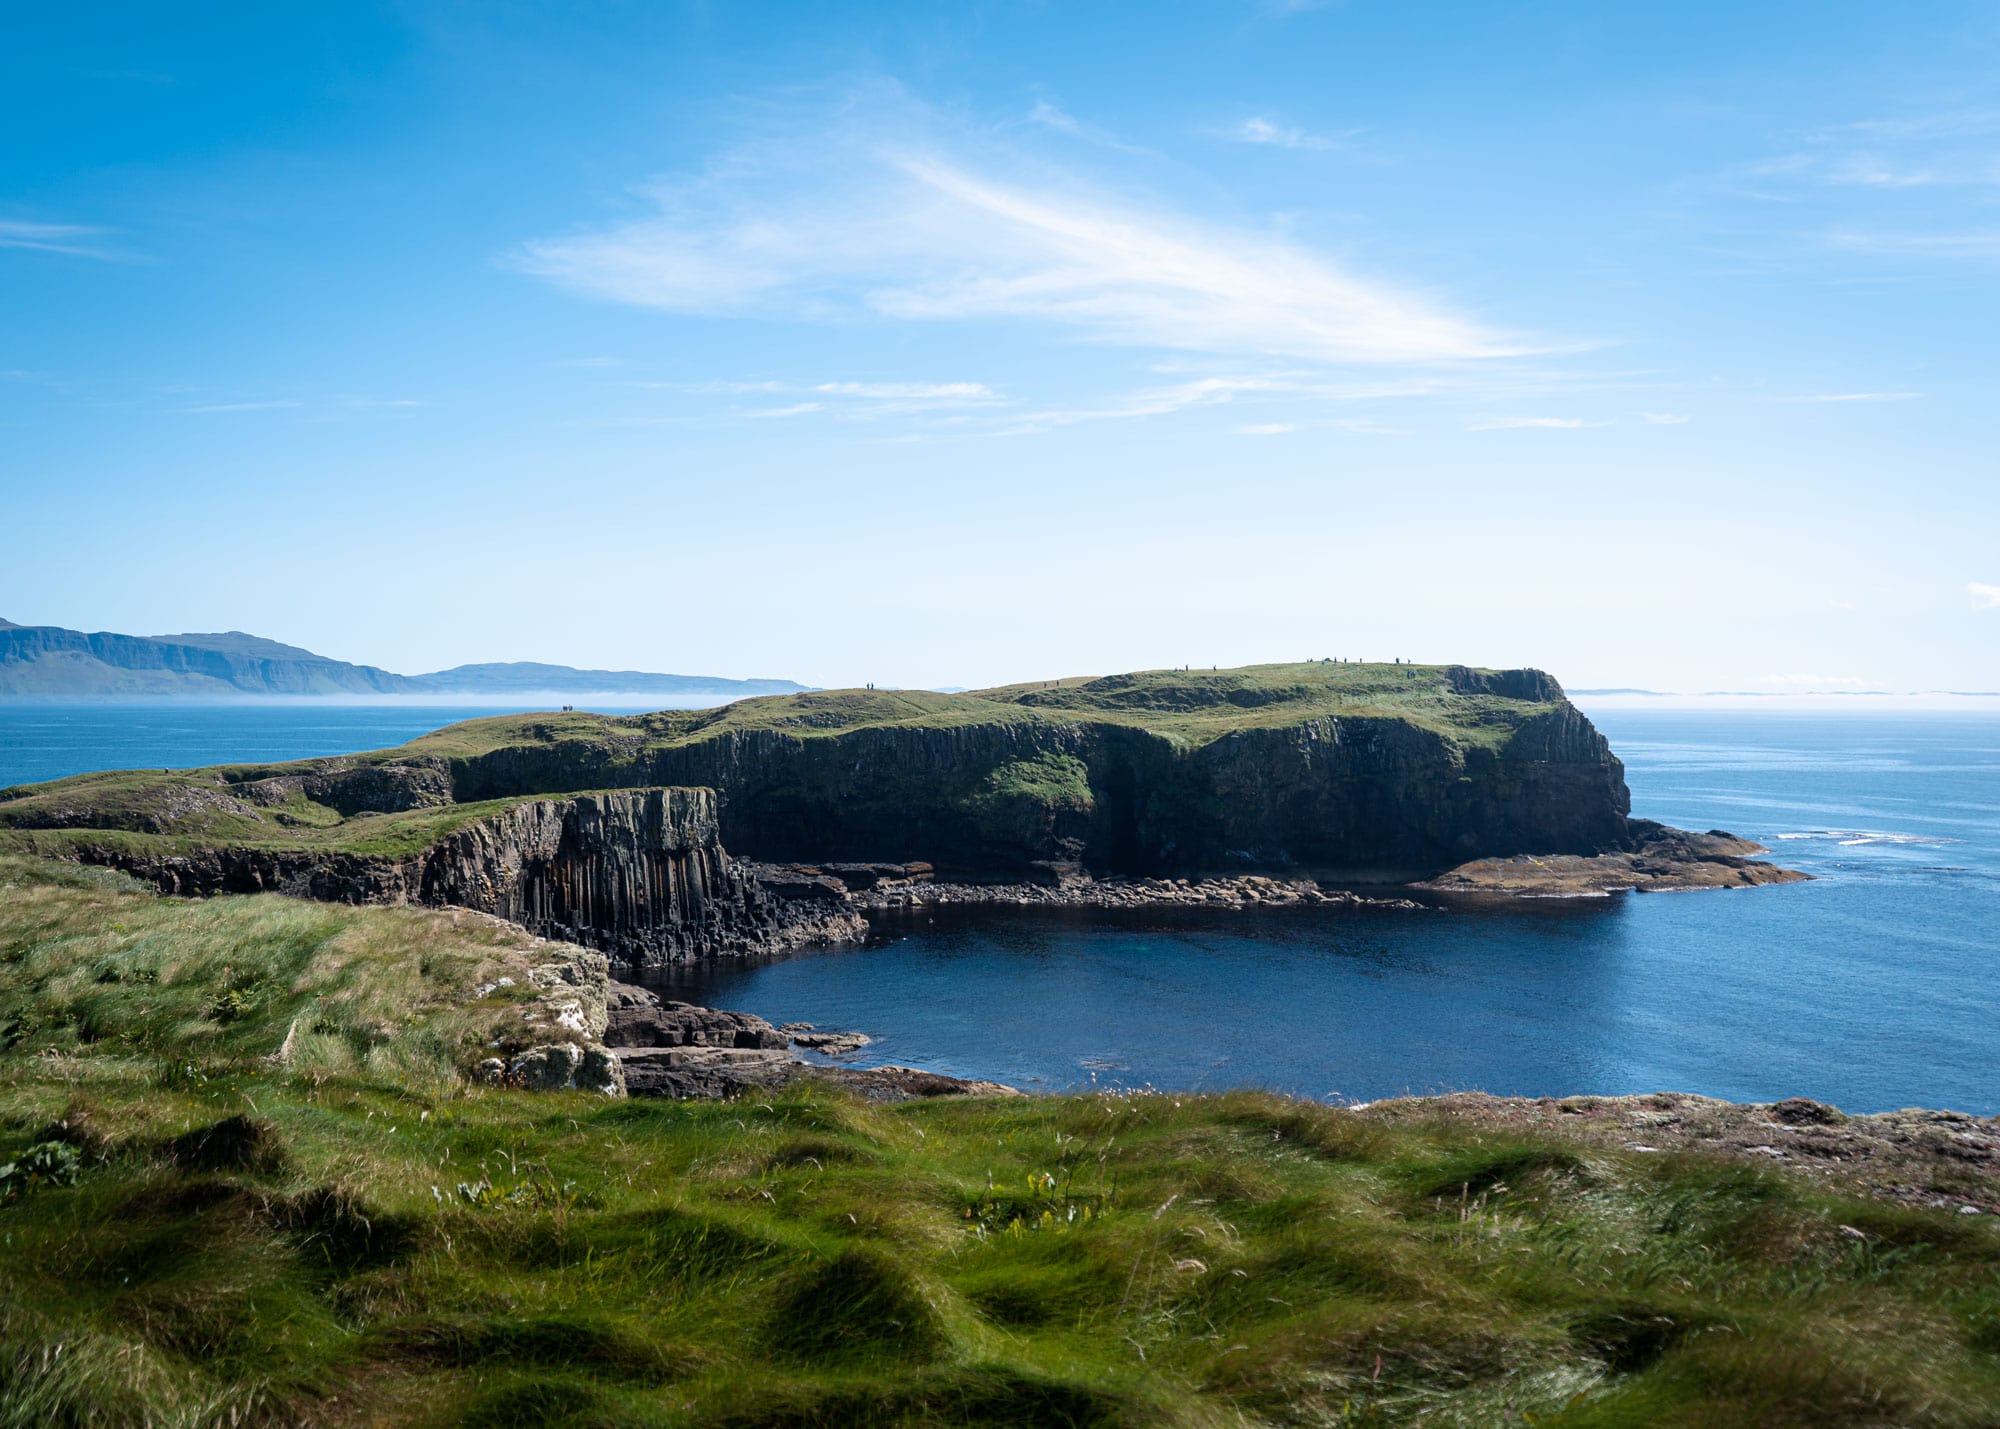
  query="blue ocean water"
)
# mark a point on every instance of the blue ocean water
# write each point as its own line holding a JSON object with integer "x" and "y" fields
{"x": 1876, "y": 986}
{"x": 1873, "y": 987}
{"x": 49, "y": 739}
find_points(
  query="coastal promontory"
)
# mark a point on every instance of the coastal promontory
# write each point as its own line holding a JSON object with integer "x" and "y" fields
{"x": 758, "y": 825}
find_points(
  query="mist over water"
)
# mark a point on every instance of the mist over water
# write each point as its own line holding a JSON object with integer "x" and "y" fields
{"x": 1873, "y": 987}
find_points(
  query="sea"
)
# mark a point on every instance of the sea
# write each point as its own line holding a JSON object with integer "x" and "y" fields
{"x": 1875, "y": 986}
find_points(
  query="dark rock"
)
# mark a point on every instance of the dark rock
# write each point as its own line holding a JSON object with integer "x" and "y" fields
{"x": 640, "y": 874}
{"x": 1655, "y": 859}
{"x": 1802, "y": 1111}
{"x": 638, "y": 1018}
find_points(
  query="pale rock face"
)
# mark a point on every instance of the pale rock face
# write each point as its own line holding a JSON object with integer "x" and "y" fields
{"x": 547, "y": 1068}
{"x": 566, "y": 1066}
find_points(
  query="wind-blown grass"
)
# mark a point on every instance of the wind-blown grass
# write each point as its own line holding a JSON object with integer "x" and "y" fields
{"x": 362, "y": 1236}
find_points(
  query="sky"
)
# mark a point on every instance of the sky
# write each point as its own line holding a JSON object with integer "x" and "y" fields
{"x": 953, "y": 344}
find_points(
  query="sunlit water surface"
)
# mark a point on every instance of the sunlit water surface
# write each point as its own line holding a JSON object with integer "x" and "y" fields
{"x": 1873, "y": 987}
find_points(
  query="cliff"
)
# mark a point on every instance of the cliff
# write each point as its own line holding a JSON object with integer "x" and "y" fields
{"x": 1345, "y": 773}
{"x": 1329, "y": 769}
{"x": 49, "y": 660}
{"x": 639, "y": 874}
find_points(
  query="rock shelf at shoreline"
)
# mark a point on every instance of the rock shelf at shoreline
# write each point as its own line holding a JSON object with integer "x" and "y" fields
{"x": 1946, "y": 1160}
{"x": 1248, "y": 891}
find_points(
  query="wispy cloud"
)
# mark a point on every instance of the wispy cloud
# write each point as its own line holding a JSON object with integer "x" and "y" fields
{"x": 1856, "y": 397}
{"x": 1512, "y": 424}
{"x": 1050, "y": 115}
{"x": 1261, "y": 130}
{"x": 1663, "y": 419}
{"x": 1266, "y": 429}
{"x": 840, "y": 226}
{"x": 1978, "y": 243}
{"x": 68, "y": 238}
{"x": 951, "y": 394}
{"x": 1213, "y": 391}
{"x": 847, "y": 399}
{"x": 1984, "y": 597}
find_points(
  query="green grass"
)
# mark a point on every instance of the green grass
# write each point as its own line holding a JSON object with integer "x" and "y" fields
{"x": 161, "y": 812}
{"x": 363, "y": 1236}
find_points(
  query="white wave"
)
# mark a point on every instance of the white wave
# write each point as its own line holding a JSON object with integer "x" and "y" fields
{"x": 1856, "y": 838}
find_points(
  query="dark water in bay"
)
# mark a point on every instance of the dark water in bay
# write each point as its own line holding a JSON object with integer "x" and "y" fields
{"x": 1874, "y": 987}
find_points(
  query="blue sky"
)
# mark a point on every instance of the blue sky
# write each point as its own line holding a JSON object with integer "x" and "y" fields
{"x": 952, "y": 344}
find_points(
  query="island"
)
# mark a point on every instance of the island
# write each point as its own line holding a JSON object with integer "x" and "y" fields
{"x": 779, "y": 820}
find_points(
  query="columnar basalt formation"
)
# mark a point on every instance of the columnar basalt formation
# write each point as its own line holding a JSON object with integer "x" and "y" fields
{"x": 640, "y": 874}
{"x": 637, "y": 873}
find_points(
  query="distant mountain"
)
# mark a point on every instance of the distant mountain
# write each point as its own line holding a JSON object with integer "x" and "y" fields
{"x": 49, "y": 660}
{"x": 235, "y": 642}
{"x": 525, "y": 676}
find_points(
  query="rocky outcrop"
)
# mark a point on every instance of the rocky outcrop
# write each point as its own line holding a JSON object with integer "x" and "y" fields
{"x": 1332, "y": 795}
{"x": 640, "y": 1018}
{"x": 1661, "y": 860}
{"x": 1378, "y": 775}
{"x": 350, "y": 787}
{"x": 639, "y": 874}
{"x": 1946, "y": 1160}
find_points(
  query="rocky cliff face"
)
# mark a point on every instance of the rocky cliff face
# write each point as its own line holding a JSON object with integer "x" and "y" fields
{"x": 639, "y": 874}
{"x": 1326, "y": 793}
{"x": 642, "y": 875}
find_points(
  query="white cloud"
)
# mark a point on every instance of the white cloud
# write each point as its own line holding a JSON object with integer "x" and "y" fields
{"x": 953, "y": 394}
{"x": 1662, "y": 419}
{"x": 1513, "y": 424}
{"x": 1259, "y": 130}
{"x": 847, "y": 226}
{"x": 1984, "y": 597}
{"x": 50, "y": 238}
{"x": 1211, "y": 392}
{"x": 852, "y": 400}
{"x": 1265, "y": 429}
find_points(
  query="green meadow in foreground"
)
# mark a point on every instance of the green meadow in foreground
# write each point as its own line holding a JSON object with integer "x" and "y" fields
{"x": 192, "y": 1233}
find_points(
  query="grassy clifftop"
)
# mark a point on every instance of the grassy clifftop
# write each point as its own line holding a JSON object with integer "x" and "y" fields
{"x": 1194, "y": 707}
{"x": 193, "y": 1233}
{"x": 1314, "y": 764}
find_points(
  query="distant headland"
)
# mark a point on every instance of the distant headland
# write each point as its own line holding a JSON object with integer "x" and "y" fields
{"x": 1268, "y": 783}
{"x": 53, "y": 662}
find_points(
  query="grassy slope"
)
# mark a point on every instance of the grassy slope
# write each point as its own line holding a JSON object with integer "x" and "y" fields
{"x": 1190, "y": 707}
{"x": 1210, "y": 1260}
